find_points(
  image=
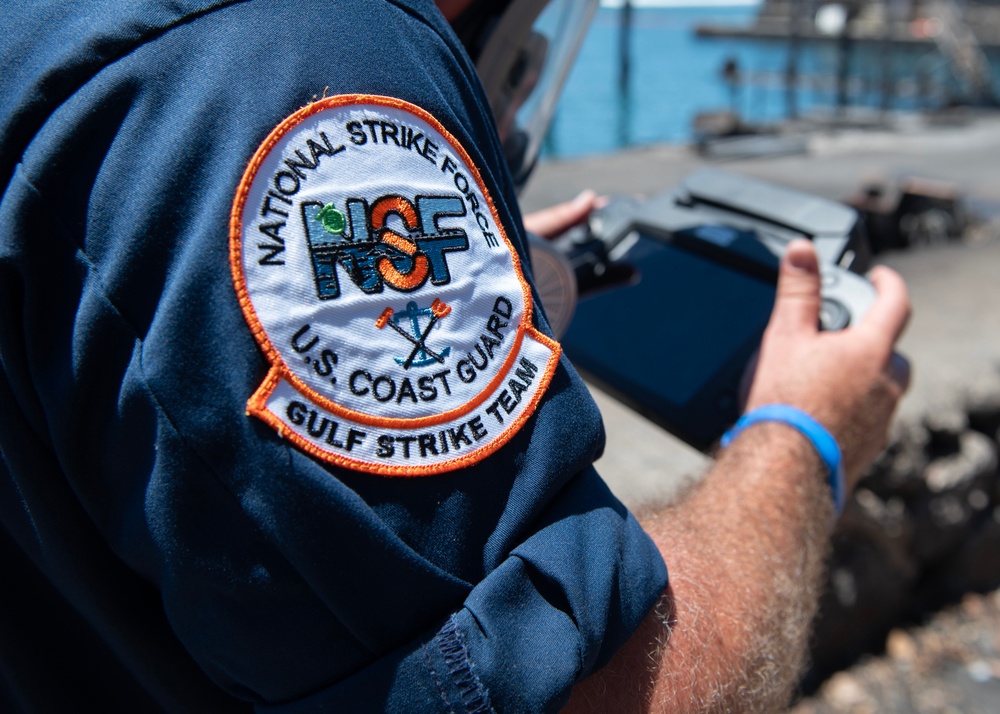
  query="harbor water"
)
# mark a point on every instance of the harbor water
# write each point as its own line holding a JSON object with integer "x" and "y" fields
{"x": 674, "y": 75}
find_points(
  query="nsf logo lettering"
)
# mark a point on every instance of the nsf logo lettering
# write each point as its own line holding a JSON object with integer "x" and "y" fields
{"x": 394, "y": 242}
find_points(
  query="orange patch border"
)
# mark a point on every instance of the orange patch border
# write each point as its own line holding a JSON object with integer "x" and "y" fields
{"x": 257, "y": 404}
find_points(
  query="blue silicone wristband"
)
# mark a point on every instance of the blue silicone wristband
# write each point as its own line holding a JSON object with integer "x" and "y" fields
{"x": 821, "y": 439}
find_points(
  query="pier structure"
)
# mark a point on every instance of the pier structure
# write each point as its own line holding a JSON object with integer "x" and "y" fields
{"x": 902, "y": 21}
{"x": 962, "y": 34}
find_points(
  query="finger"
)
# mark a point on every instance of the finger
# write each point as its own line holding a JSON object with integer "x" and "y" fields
{"x": 890, "y": 312}
{"x": 899, "y": 371}
{"x": 555, "y": 220}
{"x": 746, "y": 381}
{"x": 797, "y": 302}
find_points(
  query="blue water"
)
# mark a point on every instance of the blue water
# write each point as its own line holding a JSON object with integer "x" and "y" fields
{"x": 675, "y": 75}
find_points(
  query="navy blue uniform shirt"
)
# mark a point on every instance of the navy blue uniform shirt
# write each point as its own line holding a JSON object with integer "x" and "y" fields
{"x": 162, "y": 547}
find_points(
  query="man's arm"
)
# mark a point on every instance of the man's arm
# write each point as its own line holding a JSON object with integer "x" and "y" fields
{"x": 745, "y": 550}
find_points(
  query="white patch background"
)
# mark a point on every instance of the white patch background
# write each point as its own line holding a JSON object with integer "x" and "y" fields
{"x": 284, "y": 297}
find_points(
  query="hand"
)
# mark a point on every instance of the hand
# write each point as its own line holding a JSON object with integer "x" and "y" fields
{"x": 551, "y": 222}
{"x": 849, "y": 380}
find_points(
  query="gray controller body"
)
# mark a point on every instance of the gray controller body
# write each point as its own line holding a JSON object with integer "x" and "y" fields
{"x": 762, "y": 220}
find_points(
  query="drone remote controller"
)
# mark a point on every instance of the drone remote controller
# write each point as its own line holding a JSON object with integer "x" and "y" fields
{"x": 675, "y": 292}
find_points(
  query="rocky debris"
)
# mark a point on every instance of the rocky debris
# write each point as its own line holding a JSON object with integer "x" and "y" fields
{"x": 950, "y": 665}
{"x": 921, "y": 531}
{"x": 983, "y": 408}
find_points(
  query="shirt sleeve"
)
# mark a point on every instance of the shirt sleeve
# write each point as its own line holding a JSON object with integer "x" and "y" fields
{"x": 530, "y": 629}
{"x": 292, "y": 583}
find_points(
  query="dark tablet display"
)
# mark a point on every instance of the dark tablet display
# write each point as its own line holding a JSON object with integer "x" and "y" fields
{"x": 674, "y": 343}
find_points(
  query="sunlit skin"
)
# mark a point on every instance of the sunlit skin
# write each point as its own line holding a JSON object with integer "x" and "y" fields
{"x": 552, "y": 222}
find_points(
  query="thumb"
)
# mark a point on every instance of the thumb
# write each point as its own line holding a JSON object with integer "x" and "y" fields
{"x": 551, "y": 222}
{"x": 796, "y": 306}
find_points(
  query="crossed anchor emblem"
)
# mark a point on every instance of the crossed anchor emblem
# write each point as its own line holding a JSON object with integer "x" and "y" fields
{"x": 421, "y": 355}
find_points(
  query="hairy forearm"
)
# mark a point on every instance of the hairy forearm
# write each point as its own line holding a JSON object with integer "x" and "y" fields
{"x": 745, "y": 554}
{"x": 745, "y": 551}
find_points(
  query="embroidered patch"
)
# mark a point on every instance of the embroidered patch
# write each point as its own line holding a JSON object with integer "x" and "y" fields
{"x": 373, "y": 270}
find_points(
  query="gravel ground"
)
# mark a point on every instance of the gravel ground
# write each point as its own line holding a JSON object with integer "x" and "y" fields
{"x": 949, "y": 665}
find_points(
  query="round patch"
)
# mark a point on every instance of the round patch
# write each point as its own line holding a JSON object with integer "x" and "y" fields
{"x": 373, "y": 270}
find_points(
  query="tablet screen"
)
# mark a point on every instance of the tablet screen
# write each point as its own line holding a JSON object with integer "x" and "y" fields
{"x": 673, "y": 335}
